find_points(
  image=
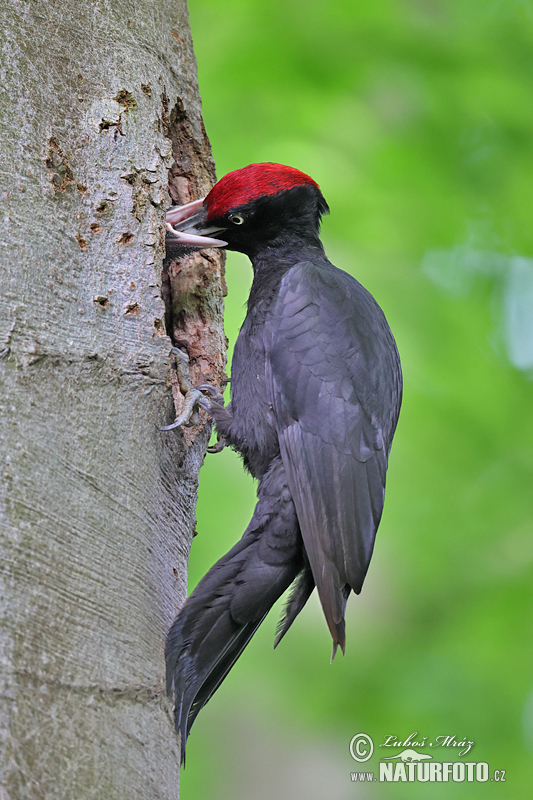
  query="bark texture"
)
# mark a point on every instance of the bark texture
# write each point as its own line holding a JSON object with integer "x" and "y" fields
{"x": 97, "y": 507}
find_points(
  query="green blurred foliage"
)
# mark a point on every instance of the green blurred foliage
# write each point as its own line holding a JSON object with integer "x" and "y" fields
{"x": 416, "y": 118}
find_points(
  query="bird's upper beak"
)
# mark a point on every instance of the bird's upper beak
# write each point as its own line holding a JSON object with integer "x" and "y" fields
{"x": 186, "y": 226}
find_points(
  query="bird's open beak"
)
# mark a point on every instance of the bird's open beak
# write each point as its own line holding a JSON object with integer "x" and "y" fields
{"x": 186, "y": 226}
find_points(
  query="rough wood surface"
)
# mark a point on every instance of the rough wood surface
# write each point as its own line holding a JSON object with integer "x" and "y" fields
{"x": 97, "y": 507}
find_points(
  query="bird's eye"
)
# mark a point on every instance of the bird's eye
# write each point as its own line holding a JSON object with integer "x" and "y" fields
{"x": 236, "y": 219}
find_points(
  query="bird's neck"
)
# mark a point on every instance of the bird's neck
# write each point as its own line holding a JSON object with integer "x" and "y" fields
{"x": 270, "y": 263}
{"x": 283, "y": 253}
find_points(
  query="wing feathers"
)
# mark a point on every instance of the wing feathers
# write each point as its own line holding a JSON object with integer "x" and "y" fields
{"x": 334, "y": 381}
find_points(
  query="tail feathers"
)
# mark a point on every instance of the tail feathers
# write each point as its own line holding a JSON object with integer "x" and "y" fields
{"x": 193, "y": 677}
{"x": 220, "y": 670}
{"x": 230, "y": 602}
{"x": 300, "y": 593}
{"x": 217, "y": 622}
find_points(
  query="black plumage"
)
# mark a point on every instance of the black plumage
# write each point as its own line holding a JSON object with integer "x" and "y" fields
{"x": 315, "y": 396}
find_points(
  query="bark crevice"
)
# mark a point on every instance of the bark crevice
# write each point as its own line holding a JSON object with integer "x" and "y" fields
{"x": 193, "y": 286}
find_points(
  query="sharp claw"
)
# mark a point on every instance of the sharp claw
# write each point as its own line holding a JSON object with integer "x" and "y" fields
{"x": 213, "y": 391}
{"x": 218, "y": 447}
{"x": 193, "y": 396}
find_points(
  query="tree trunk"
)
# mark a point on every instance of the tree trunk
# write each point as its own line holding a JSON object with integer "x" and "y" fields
{"x": 97, "y": 506}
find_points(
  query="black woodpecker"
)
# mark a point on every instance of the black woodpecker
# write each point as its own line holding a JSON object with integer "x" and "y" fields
{"x": 316, "y": 388}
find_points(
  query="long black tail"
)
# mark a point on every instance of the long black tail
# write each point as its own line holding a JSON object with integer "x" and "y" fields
{"x": 230, "y": 602}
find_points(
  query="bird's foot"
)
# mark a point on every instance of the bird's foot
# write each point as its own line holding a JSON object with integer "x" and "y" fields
{"x": 193, "y": 397}
{"x": 211, "y": 390}
{"x": 217, "y": 398}
{"x": 218, "y": 446}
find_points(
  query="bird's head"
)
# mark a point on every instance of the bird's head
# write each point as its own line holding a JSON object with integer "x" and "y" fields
{"x": 262, "y": 205}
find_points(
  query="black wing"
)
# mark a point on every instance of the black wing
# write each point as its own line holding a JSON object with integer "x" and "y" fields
{"x": 334, "y": 378}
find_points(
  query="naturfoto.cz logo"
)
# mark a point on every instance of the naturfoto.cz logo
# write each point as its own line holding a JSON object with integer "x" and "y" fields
{"x": 411, "y": 766}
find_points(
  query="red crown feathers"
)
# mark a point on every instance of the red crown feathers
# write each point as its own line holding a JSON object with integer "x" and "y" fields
{"x": 256, "y": 180}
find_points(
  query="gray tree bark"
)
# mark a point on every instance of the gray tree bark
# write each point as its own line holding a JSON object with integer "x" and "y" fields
{"x": 99, "y": 109}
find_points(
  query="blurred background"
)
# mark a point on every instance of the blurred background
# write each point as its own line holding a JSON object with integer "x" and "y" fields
{"x": 416, "y": 119}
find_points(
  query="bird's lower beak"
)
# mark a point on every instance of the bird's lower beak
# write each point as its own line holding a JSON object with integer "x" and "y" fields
{"x": 186, "y": 226}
